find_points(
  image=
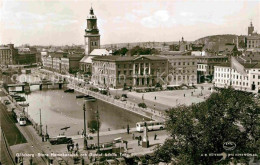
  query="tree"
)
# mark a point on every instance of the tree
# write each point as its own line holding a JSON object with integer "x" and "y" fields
{"x": 93, "y": 126}
{"x": 200, "y": 129}
{"x": 121, "y": 51}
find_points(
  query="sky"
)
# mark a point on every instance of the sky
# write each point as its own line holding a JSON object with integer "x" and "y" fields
{"x": 62, "y": 22}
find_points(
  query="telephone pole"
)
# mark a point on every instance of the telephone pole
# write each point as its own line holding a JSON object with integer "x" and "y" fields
{"x": 40, "y": 122}
{"x": 97, "y": 127}
{"x": 85, "y": 138}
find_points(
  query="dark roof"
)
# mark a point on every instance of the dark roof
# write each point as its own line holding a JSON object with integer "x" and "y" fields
{"x": 179, "y": 56}
{"x": 246, "y": 65}
{"x": 127, "y": 58}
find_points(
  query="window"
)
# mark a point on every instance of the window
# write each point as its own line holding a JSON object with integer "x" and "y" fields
{"x": 118, "y": 73}
{"x": 253, "y": 76}
{"x": 125, "y": 72}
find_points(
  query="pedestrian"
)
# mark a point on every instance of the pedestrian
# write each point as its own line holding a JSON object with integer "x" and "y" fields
{"x": 155, "y": 136}
{"x": 128, "y": 129}
{"x": 140, "y": 138}
{"x": 154, "y": 97}
{"x": 68, "y": 147}
{"x": 126, "y": 144}
{"x": 138, "y": 142}
{"x": 133, "y": 137}
{"x": 77, "y": 146}
{"x": 83, "y": 133}
{"x": 16, "y": 159}
{"x": 184, "y": 94}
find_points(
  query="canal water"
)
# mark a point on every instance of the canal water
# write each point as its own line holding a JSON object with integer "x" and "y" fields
{"x": 59, "y": 110}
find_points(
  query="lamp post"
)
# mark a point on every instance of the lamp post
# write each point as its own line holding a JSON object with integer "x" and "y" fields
{"x": 85, "y": 138}
{"x": 97, "y": 115}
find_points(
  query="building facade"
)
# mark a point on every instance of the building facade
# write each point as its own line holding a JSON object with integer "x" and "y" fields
{"x": 86, "y": 62}
{"x": 181, "y": 70}
{"x": 8, "y": 54}
{"x": 226, "y": 76}
{"x": 205, "y": 67}
{"x": 253, "y": 38}
{"x": 25, "y": 58}
{"x": 92, "y": 36}
{"x": 134, "y": 71}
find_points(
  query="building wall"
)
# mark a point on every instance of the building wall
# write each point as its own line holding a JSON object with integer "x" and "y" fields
{"x": 26, "y": 58}
{"x": 253, "y": 42}
{"x": 65, "y": 65}
{"x": 134, "y": 73}
{"x": 8, "y": 54}
{"x": 182, "y": 70}
{"x": 222, "y": 78}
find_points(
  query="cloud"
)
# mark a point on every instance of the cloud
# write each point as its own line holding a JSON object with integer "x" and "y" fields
{"x": 140, "y": 12}
{"x": 130, "y": 17}
{"x": 160, "y": 18}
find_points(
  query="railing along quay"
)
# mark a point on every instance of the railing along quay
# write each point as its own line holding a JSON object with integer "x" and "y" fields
{"x": 126, "y": 105}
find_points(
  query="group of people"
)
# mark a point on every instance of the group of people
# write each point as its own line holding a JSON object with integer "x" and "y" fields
{"x": 71, "y": 146}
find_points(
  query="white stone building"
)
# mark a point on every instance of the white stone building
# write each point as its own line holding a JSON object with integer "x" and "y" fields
{"x": 249, "y": 82}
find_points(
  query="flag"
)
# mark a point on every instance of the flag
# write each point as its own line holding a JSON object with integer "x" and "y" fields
{"x": 238, "y": 67}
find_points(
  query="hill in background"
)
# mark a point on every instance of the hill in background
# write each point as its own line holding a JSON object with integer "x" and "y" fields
{"x": 224, "y": 39}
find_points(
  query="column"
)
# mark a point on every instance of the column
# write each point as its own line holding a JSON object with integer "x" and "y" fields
{"x": 134, "y": 69}
{"x": 149, "y": 68}
{"x": 144, "y": 69}
{"x": 139, "y": 69}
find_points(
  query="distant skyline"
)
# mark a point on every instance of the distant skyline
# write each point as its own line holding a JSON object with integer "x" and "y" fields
{"x": 39, "y": 22}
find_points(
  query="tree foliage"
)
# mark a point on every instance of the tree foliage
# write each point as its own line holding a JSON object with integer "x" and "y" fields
{"x": 202, "y": 129}
{"x": 121, "y": 51}
{"x": 93, "y": 126}
{"x": 142, "y": 51}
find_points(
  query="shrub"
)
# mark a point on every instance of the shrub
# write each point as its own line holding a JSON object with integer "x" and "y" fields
{"x": 142, "y": 105}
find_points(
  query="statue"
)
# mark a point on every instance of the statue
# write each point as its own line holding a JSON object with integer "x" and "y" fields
{"x": 145, "y": 141}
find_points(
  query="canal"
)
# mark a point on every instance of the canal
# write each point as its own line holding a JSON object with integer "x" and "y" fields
{"x": 59, "y": 110}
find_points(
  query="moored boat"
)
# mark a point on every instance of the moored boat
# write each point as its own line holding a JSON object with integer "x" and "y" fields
{"x": 69, "y": 91}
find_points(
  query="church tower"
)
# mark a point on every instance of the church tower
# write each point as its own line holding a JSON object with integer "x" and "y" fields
{"x": 92, "y": 36}
{"x": 250, "y": 29}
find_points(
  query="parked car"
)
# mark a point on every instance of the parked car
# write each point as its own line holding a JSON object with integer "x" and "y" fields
{"x": 124, "y": 95}
{"x": 110, "y": 162}
{"x": 60, "y": 140}
{"x": 120, "y": 161}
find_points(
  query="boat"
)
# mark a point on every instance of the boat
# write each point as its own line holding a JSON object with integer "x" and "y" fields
{"x": 69, "y": 91}
{"x": 82, "y": 96}
{"x": 79, "y": 96}
{"x": 90, "y": 98}
{"x": 24, "y": 105}
{"x": 20, "y": 99}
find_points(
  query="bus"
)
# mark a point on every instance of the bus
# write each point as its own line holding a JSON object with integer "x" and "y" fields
{"x": 21, "y": 119}
{"x": 151, "y": 125}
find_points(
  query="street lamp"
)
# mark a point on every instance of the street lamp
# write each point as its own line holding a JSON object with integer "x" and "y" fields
{"x": 97, "y": 115}
{"x": 85, "y": 138}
